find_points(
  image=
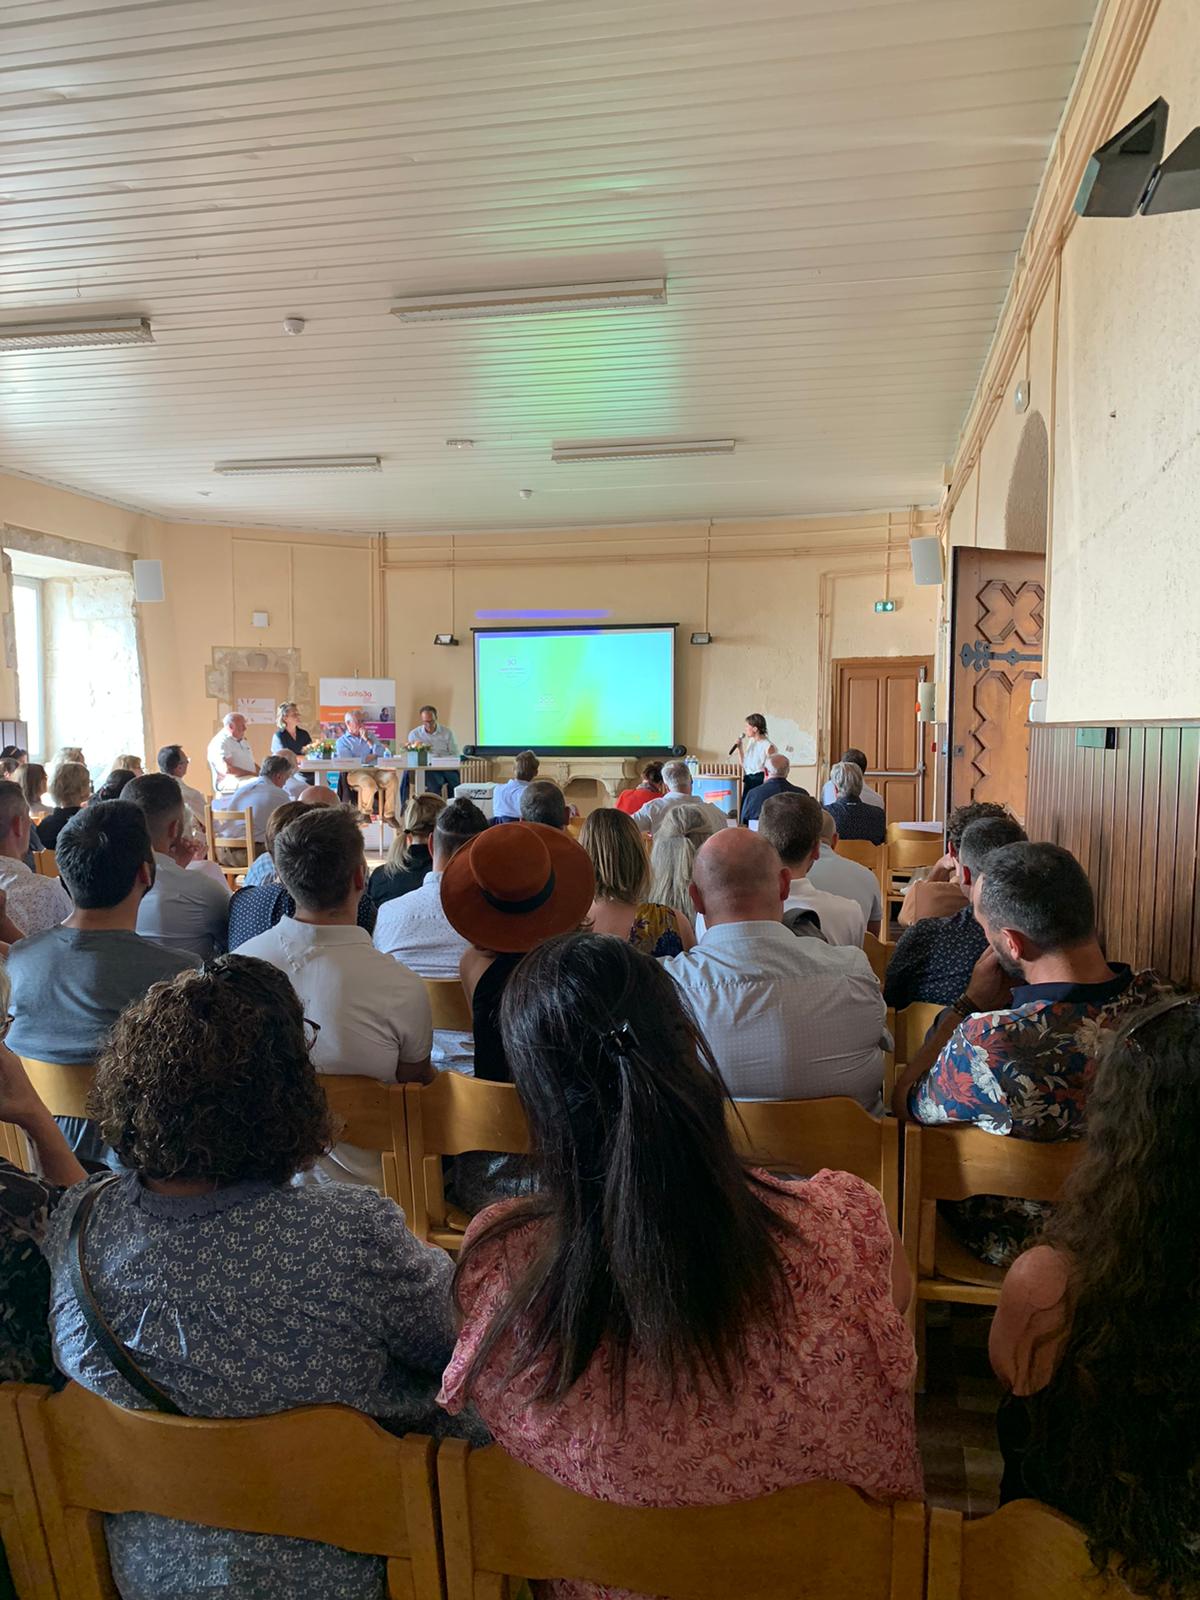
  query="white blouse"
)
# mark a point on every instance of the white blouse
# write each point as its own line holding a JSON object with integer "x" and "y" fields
{"x": 754, "y": 756}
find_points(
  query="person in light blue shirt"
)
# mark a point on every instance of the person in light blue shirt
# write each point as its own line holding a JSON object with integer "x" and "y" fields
{"x": 506, "y": 800}
{"x": 355, "y": 745}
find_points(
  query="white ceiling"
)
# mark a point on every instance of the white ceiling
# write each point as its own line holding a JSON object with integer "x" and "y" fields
{"x": 835, "y": 190}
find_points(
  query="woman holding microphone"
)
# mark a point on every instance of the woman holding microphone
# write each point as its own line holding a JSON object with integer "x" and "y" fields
{"x": 754, "y": 747}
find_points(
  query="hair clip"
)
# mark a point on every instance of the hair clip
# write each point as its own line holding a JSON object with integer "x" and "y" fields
{"x": 623, "y": 1040}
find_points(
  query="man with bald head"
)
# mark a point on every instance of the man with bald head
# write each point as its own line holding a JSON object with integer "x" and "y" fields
{"x": 319, "y": 794}
{"x": 785, "y": 1018}
{"x": 776, "y": 782}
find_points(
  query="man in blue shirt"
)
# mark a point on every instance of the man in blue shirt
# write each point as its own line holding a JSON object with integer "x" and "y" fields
{"x": 354, "y": 745}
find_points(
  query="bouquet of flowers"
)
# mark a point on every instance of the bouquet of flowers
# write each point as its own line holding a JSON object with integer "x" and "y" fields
{"x": 418, "y": 754}
{"x": 320, "y": 749}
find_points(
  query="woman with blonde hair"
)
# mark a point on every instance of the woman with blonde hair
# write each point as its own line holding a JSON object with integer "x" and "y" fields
{"x": 680, "y": 834}
{"x": 128, "y": 763}
{"x": 410, "y": 860}
{"x": 289, "y": 737}
{"x": 621, "y": 906}
{"x": 70, "y": 788}
{"x": 68, "y": 752}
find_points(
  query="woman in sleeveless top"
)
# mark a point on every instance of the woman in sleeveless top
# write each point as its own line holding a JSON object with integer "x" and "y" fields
{"x": 618, "y": 856}
{"x": 754, "y": 747}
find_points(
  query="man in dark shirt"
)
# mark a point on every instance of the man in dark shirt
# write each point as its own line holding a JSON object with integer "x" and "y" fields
{"x": 855, "y": 818}
{"x": 778, "y": 767}
{"x": 934, "y": 960}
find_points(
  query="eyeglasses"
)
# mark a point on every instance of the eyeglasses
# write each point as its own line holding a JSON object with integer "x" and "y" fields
{"x": 9, "y": 1019}
{"x": 308, "y": 1023}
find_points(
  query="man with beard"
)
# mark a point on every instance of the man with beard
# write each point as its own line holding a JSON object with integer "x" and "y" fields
{"x": 1015, "y": 1053}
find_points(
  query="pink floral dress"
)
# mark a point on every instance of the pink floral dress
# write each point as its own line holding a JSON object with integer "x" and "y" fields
{"x": 823, "y": 1395}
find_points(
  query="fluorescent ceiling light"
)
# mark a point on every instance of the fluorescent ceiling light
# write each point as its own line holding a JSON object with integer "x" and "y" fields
{"x": 642, "y": 449}
{"x": 87, "y": 333}
{"x": 270, "y": 465}
{"x": 462, "y": 307}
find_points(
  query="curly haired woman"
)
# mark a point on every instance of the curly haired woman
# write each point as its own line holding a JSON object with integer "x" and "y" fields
{"x": 1098, "y": 1326}
{"x": 236, "y": 1293}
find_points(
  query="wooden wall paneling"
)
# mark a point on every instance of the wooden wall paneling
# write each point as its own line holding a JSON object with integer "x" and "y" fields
{"x": 1145, "y": 843}
{"x": 1165, "y": 835}
{"x": 1185, "y": 942}
{"x": 1110, "y": 926}
{"x": 1135, "y": 821}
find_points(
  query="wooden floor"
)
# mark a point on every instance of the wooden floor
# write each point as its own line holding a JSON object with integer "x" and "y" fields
{"x": 956, "y": 1416}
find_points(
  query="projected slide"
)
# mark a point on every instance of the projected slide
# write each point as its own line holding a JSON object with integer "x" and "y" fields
{"x": 575, "y": 689}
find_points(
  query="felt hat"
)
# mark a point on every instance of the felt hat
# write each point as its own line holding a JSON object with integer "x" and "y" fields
{"x": 516, "y": 885}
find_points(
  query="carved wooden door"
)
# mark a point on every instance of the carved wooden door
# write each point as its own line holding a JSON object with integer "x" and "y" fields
{"x": 995, "y": 654}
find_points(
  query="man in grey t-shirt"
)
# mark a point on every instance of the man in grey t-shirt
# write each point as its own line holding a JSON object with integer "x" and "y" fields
{"x": 70, "y": 983}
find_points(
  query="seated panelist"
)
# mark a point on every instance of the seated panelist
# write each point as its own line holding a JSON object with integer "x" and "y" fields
{"x": 355, "y": 745}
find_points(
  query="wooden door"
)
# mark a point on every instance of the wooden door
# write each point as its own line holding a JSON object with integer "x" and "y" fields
{"x": 257, "y": 695}
{"x": 875, "y": 710}
{"x": 996, "y": 631}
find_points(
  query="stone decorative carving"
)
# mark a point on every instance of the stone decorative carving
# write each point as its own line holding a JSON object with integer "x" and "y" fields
{"x": 226, "y": 661}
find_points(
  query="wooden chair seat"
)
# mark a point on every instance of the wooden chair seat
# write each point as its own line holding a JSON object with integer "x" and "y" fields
{"x": 822, "y": 1541}
{"x": 324, "y": 1473}
{"x": 805, "y": 1135}
{"x": 448, "y": 1117}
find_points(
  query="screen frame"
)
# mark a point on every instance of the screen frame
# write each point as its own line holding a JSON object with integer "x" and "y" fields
{"x": 582, "y": 751}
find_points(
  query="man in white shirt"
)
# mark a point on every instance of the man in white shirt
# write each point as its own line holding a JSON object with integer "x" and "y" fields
{"x": 259, "y": 796}
{"x": 413, "y": 928}
{"x": 868, "y": 796}
{"x": 850, "y": 879}
{"x": 440, "y": 741}
{"x": 173, "y": 760}
{"x": 678, "y": 778}
{"x": 355, "y": 745}
{"x": 186, "y": 911}
{"x": 785, "y": 1018}
{"x": 230, "y": 758}
{"x": 792, "y": 823}
{"x": 34, "y": 903}
{"x": 506, "y": 798}
{"x": 372, "y": 1013}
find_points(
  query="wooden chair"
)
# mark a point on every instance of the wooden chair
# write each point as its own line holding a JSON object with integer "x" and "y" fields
{"x": 866, "y": 854}
{"x": 822, "y": 1541}
{"x": 324, "y": 1473}
{"x": 372, "y": 1117}
{"x": 233, "y": 842}
{"x": 63, "y": 1091}
{"x": 912, "y": 1024}
{"x": 13, "y": 1145}
{"x": 955, "y": 1163}
{"x": 878, "y": 953}
{"x": 1024, "y": 1551}
{"x": 448, "y": 1117}
{"x": 906, "y": 852}
{"x": 805, "y": 1135}
{"x": 21, "y": 1530}
{"x": 45, "y": 864}
{"x": 449, "y": 1004}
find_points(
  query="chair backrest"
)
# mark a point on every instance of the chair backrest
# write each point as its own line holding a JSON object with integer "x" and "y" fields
{"x": 954, "y": 1163}
{"x": 912, "y": 1024}
{"x": 1024, "y": 1551}
{"x": 233, "y": 841}
{"x": 909, "y": 830}
{"x": 805, "y": 1135}
{"x": 13, "y": 1146}
{"x": 63, "y": 1090}
{"x": 21, "y": 1530}
{"x": 912, "y": 851}
{"x": 501, "y": 1519}
{"x": 45, "y": 863}
{"x": 878, "y": 954}
{"x": 861, "y": 850}
{"x": 447, "y": 1117}
{"x": 372, "y": 1117}
{"x": 449, "y": 1004}
{"x": 324, "y": 1473}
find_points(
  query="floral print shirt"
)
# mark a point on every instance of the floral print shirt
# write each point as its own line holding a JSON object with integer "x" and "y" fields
{"x": 825, "y": 1394}
{"x": 25, "y": 1206}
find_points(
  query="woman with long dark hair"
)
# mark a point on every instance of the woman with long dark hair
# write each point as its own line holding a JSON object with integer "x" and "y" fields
{"x": 1098, "y": 1327}
{"x": 656, "y": 1324}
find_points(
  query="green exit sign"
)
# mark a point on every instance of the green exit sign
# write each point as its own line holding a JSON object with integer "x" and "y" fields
{"x": 885, "y": 605}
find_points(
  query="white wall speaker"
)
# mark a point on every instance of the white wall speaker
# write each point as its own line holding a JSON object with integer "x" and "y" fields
{"x": 926, "y": 702}
{"x": 926, "y": 560}
{"x": 148, "y": 581}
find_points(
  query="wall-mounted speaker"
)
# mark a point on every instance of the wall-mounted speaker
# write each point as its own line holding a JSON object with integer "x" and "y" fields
{"x": 926, "y": 557}
{"x": 468, "y": 750}
{"x": 679, "y": 749}
{"x": 148, "y": 581}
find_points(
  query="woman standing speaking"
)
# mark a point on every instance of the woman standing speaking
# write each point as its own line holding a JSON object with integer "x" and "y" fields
{"x": 754, "y": 747}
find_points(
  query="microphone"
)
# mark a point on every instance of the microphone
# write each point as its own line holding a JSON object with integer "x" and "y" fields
{"x": 735, "y": 747}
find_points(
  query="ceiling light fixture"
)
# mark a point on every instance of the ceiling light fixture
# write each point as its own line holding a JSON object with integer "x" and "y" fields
{"x": 469, "y": 305}
{"x": 642, "y": 449}
{"x": 460, "y": 444}
{"x": 85, "y": 333}
{"x": 271, "y": 465}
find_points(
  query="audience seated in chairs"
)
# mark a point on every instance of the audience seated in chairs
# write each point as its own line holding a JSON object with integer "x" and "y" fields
{"x": 241, "y": 1293}
{"x": 32, "y": 903}
{"x": 174, "y": 761}
{"x": 650, "y": 788}
{"x": 839, "y": 875}
{"x": 1098, "y": 1325}
{"x": 372, "y": 1014}
{"x": 410, "y": 860}
{"x": 855, "y": 817}
{"x": 414, "y": 929}
{"x": 260, "y": 797}
{"x": 775, "y": 782}
{"x": 622, "y": 905}
{"x": 70, "y": 787}
{"x": 185, "y": 911}
{"x": 654, "y": 1324}
{"x": 937, "y": 891}
{"x": 785, "y": 1018}
{"x": 869, "y": 796}
{"x": 678, "y": 838}
{"x": 1015, "y": 1053}
{"x": 256, "y": 907}
{"x": 543, "y": 802}
{"x": 792, "y": 824}
{"x": 933, "y": 961}
{"x": 114, "y": 785}
{"x": 677, "y": 776}
{"x": 506, "y": 797}
{"x": 262, "y": 869}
